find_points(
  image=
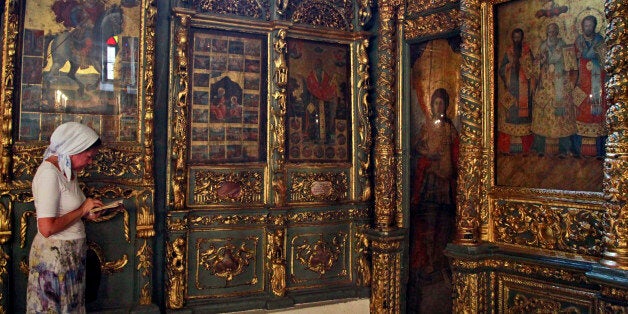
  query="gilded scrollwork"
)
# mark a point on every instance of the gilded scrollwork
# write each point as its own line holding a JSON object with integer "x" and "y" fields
{"x": 276, "y": 258}
{"x": 4, "y": 261}
{"x": 549, "y": 227}
{"x": 179, "y": 129}
{"x": 333, "y": 14}
{"x": 175, "y": 269}
{"x": 115, "y": 163}
{"x": 319, "y": 256}
{"x": 145, "y": 259}
{"x": 107, "y": 267}
{"x": 258, "y": 9}
{"x": 209, "y": 220}
{"x": 434, "y": 24}
{"x": 364, "y": 11}
{"x": 328, "y": 216}
{"x": 325, "y": 186}
{"x": 363, "y": 260}
{"x": 615, "y": 180}
{"x": 207, "y": 183}
{"x": 176, "y": 223}
{"x": 227, "y": 261}
{"x": 145, "y": 294}
{"x": 145, "y": 218}
{"x": 364, "y": 128}
{"x": 5, "y": 222}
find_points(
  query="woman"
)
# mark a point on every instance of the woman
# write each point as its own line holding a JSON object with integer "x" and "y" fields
{"x": 56, "y": 281}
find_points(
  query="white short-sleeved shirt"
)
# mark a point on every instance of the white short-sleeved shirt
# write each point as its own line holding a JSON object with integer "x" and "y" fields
{"x": 55, "y": 196}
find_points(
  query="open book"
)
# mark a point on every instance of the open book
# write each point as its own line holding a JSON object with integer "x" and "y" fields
{"x": 107, "y": 206}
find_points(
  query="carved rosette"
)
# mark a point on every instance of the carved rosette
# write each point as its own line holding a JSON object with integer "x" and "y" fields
{"x": 9, "y": 35}
{"x": 278, "y": 115}
{"x": 616, "y": 163}
{"x": 175, "y": 270}
{"x": 336, "y": 14}
{"x": 434, "y": 24}
{"x": 258, "y": 9}
{"x": 364, "y": 127}
{"x": 470, "y": 169}
{"x": 179, "y": 131}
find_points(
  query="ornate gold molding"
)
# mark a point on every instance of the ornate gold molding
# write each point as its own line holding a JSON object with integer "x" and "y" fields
{"x": 179, "y": 129}
{"x": 220, "y": 219}
{"x": 615, "y": 164}
{"x": 385, "y": 161}
{"x": 364, "y": 11}
{"x": 226, "y": 261}
{"x": 9, "y": 49}
{"x": 522, "y": 269}
{"x": 258, "y": 9}
{"x": 149, "y": 15}
{"x": 208, "y": 182}
{"x": 365, "y": 140}
{"x": 465, "y": 288}
{"x": 363, "y": 258}
{"x": 328, "y": 216}
{"x": 566, "y": 229}
{"x": 276, "y": 259}
{"x": 471, "y": 169}
{"x": 338, "y": 15}
{"x": 145, "y": 259}
{"x": 434, "y": 24}
{"x": 175, "y": 269}
{"x": 107, "y": 267}
{"x": 326, "y": 186}
{"x": 525, "y": 295}
{"x": 319, "y": 256}
{"x": 278, "y": 114}
{"x": 386, "y": 281}
{"x": 420, "y": 6}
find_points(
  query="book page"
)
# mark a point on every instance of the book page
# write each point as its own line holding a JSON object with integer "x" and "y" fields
{"x": 113, "y": 204}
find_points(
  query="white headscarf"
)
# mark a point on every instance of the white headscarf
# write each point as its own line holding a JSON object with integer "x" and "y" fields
{"x": 69, "y": 139}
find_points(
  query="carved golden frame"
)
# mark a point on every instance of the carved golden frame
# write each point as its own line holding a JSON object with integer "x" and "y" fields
{"x": 515, "y": 217}
{"x": 123, "y": 169}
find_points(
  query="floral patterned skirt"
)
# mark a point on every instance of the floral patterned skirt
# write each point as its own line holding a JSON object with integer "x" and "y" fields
{"x": 56, "y": 280}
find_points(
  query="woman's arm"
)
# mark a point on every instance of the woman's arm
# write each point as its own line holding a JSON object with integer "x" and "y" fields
{"x": 51, "y": 225}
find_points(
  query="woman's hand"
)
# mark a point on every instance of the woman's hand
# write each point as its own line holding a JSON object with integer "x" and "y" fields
{"x": 88, "y": 205}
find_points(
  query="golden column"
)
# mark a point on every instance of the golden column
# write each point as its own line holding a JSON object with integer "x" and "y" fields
{"x": 616, "y": 163}
{"x": 387, "y": 236}
{"x": 470, "y": 284}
